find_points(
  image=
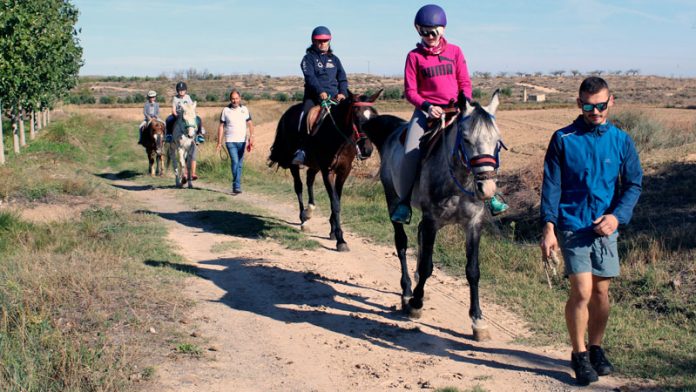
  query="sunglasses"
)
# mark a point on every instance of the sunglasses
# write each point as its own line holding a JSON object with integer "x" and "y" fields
{"x": 434, "y": 33}
{"x": 588, "y": 107}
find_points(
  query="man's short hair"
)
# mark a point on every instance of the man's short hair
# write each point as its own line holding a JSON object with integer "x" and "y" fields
{"x": 593, "y": 85}
{"x": 234, "y": 91}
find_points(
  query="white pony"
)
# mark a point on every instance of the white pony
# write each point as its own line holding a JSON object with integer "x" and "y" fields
{"x": 183, "y": 144}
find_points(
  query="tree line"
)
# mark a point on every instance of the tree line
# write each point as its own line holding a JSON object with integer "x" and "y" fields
{"x": 40, "y": 57}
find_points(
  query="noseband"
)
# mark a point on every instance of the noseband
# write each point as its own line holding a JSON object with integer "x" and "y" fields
{"x": 459, "y": 154}
{"x": 358, "y": 133}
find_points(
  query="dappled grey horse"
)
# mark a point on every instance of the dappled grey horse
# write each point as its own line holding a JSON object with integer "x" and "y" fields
{"x": 183, "y": 145}
{"x": 458, "y": 173}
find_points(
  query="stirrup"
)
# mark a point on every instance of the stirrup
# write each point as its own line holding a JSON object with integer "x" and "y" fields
{"x": 299, "y": 158}
{"x": 200, "y": 139}
{"x": 496, "y": 206}
{"x": 168, "y": 138}
{"x": 402, "y": 214}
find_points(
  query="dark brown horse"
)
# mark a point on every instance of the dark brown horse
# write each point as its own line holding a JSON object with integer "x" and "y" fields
{"x": 153, "y": 141}
{"x": 331, "y": 151}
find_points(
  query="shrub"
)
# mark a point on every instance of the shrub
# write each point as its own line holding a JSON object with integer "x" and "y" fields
{"x": 107, "y": 100}
{"x": 298, "y": 96}
{"x": 393, "y": 93}
{"x": 477, "y": 93}
{"x": 506, "y": 91}
{"x": 211, "y": 97}
{"x": 246, "y": 96}
{"x": 281, "y": 97}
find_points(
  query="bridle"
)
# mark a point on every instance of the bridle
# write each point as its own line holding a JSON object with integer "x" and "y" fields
{"x": 357, "y": 134}
{"x": 459, "y": 155}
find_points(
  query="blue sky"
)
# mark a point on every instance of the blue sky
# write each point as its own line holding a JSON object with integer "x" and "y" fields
{"x": 150, "y": 37}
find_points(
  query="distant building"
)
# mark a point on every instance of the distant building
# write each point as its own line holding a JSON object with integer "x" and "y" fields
{"x": 537, "y": 97}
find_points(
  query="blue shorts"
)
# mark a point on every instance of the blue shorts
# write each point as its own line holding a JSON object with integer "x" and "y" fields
{"x": 589, "y": 252}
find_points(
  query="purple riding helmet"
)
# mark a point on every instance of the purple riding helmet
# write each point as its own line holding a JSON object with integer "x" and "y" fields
{"x": 431, "y": 15}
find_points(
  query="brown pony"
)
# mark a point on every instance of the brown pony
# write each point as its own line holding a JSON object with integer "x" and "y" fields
{"x": 153, "y": 141}
{"x": 330, "y": 150}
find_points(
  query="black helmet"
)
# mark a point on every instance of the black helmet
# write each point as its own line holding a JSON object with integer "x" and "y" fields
{"x": 181, "y": 86}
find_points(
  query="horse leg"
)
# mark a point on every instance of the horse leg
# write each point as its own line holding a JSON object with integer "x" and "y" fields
{"x": 151, "y": 161}
{"x": 297, "y": 184}
{"x": 401, "y": 242}
{"x": 311, "y": 176}
{"x": 426, "y": 240}
{"x": 180, "y": 165}
{"x": 189, "y": 164}
{"x": 473, "y": 237}
{"x": 160, "y": 165}
{"x": 334, "y": 198}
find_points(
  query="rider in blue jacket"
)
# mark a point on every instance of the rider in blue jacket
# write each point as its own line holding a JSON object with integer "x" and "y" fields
{"x": 324, "y": 78}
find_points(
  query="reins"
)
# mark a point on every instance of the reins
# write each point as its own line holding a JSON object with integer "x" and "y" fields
{"x": 459, "y": 154}
{"x": 357, "y": 135}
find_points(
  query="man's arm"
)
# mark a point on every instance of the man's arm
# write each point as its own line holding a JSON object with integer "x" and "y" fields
{"x": 250, "y": 130}
{"x": 550, "y": 196}
{"x": 631, "y": 183}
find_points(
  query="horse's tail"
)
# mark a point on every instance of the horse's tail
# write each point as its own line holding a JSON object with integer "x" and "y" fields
{"x": 286, "y": 139}
{"x": 379, "y": 128}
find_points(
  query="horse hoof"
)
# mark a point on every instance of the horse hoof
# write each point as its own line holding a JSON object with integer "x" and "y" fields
{"x": 482, "y": 334}
{"x": 415, "y": 313}
{"x": 404, "y": 304}
{"x": 342, "y": 247}
{"x": 309, "y": 210}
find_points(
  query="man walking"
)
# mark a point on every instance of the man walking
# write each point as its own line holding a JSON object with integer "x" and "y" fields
{"x": 236, "y": 129}
{"x": 592, "y": 181}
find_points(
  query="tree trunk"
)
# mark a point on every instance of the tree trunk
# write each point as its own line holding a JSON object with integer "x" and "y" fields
{"x": 45, "y": 116}
{"x": 38, "y": 119}
{"x": 48, "y": 115}
{"x": 2, "y": 142}
{"x": 22, "y": 133}
{"x": 15, "y": 131}
{"x": 32, "y": 128}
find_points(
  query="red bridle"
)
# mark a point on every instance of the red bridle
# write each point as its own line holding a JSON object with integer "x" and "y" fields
{"x": 357, "y": 135}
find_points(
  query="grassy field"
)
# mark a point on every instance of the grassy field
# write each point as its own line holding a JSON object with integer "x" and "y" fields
{"x": 81, "y": 307}
{"x": 653, "y": 320}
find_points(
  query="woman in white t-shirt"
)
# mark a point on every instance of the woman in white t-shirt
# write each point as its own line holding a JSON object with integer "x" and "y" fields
{"x": 236, "y": 130}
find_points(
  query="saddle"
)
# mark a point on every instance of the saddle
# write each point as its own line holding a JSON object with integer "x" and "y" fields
{"x": 315, "y": 118}
{"x": 433, "y": 131}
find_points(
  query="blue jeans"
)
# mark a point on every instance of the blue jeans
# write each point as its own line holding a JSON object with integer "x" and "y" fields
{"x": 236, "y": 150}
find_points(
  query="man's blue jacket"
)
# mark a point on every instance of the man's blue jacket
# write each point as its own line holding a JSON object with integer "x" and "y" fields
{"x": 589, "y": 171}
{"x": 323, "y": 72}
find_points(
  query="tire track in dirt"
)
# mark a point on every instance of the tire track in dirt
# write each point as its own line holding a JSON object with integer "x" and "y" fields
{"x": 273, "y": 319}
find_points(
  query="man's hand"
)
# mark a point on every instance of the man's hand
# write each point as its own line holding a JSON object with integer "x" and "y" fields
{"x": 435, "y": 111}
{"x": 340, "y": 97}
{"x": 323, "y": 96}
{"x": 606, "y": 224}
{"x": 218, "y": 147}
{"x": 250, "y": 144}
{"x": 549, "y": 242}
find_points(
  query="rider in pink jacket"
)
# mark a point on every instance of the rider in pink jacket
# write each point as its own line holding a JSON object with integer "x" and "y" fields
{"x": 435, "y": 73}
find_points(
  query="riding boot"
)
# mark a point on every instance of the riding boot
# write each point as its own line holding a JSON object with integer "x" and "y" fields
{"x": 497, "y": 205}
{"x": 299, "y": 157}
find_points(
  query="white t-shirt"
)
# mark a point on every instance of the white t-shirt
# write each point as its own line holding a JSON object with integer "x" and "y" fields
{"x": 234, "y": 122}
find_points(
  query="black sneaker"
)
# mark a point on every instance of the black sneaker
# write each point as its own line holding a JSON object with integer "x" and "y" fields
{"x": 599, "y": 361}
{"x": 584, "y": 373}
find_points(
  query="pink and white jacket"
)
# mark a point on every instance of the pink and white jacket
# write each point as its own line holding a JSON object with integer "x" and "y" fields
{"x": 433, "y": 76}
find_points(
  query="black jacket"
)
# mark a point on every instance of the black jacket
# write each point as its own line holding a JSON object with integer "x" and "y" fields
{"x": 323, "y": 72}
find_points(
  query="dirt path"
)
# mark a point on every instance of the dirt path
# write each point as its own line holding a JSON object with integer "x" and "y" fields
{"x": 273, "y": 319}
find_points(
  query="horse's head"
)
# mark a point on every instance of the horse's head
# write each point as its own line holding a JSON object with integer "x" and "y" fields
{"x": 157, "y": 131}
{"x": 360, "y": 110}
{"x": 478, "y": 144}
{"x": 188, "y": 119}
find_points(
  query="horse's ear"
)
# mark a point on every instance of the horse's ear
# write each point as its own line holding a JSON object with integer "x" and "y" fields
{"x": 374, "y": 96}
{"x": 464, "y": 104}
{"x": 495, "y": 101}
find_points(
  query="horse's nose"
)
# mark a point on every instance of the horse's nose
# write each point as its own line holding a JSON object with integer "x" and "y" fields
{"x": 485, "y": 189}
